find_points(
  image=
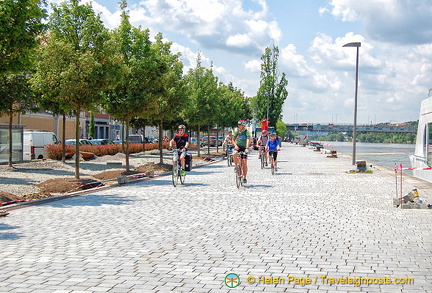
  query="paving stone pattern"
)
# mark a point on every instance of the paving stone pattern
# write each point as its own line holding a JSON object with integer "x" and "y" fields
{"x": 311, "y": 221}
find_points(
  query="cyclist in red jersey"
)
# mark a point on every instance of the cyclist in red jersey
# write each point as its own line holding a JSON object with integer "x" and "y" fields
{"x": 181, "y": 142}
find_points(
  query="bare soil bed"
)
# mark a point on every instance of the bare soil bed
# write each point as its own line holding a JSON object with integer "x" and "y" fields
{"x": 41, "y": 179}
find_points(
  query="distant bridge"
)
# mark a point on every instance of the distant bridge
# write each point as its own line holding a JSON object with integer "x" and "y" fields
{"x": 349, "y": 128}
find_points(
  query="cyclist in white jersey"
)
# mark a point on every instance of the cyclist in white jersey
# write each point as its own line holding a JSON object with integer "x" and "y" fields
{"x": 262, "y": 142}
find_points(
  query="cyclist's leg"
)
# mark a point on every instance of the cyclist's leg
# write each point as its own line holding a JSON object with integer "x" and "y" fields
{"x": 267, "y": 157}
{"x": 245, "y": 167}
{"x": 275, "y": 153}
{"x": 182, "y": 160}
{"x": 235, "y": 156}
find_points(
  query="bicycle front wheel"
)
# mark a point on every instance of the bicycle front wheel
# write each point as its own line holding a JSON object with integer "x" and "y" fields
{"x": 182, "y": 177}
{"x": 229, "y": 162}
{"x": 175, "y": 173}
{"x": 272, "y": 167}
{"x": 262, "y": 160}
{"x": 239, "y": 176}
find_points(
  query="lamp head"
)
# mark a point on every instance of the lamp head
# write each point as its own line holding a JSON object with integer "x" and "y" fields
{"x": 354, "y": 44}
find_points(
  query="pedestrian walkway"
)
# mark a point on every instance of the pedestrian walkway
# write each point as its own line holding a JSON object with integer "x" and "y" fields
{"x": 312, "y": 227}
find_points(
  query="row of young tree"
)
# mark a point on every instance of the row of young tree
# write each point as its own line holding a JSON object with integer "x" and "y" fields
{"x": 74, "y": 63}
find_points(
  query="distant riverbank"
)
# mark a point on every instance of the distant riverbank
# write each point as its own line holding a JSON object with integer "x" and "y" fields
{"x": 384, "y": 154}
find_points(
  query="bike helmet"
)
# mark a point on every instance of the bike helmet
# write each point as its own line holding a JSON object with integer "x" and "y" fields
{"x": 182, "y": 126}
{"x": 273, "y": 133}
{"x": 264, "y": 131}
{"x": 242, "y": 122}
{"x": 230, "y": 130}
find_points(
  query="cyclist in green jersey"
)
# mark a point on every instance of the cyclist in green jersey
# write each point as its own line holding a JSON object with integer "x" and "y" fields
{"x": 241, "y": 143}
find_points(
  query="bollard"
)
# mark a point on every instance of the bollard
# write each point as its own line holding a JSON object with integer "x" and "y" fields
{"x": 121, "y": 179}
{"x": 361, "y": 166}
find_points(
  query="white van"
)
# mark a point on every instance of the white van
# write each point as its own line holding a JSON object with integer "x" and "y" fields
{"x": 35, "y": 142}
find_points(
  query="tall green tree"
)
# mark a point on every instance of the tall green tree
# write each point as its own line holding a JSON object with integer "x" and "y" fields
{"x": 92, "y": 128}
{"x": 20, "y": 24}
{"x": 201, "y": 86}
{"x": 168, "y": 96}
{"x": 272, "y": 92}
{"x": 83, "y": 64}
{"x": 130, "y": 97}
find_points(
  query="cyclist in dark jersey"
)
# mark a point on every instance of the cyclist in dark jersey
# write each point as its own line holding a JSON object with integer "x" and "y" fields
{"x": 241, "y": 142}
{"x": 181, "y": 142}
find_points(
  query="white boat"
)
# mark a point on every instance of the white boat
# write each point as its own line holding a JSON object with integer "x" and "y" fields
{"x": 421, "y": 160}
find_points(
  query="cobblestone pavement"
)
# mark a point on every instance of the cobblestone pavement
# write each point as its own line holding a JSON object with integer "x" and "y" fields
{"x": 312, "y": 227}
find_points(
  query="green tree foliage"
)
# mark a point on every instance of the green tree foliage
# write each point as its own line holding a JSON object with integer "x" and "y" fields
{"x": 234, "y": 106}
{"x": 75, "y": 65}
{"x": 130, "y": 97}
{"x": 20, "y": 24}
{"x": 280, "y": 128}
{"x": 272, "y": 92}
{"x": 92, "y": 128}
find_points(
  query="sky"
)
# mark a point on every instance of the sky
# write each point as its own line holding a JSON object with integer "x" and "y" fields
{"x": 395, "y": 57}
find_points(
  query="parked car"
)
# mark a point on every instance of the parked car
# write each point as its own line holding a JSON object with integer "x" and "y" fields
{"x": 135, "y": 138}
{"x": 193, "y": 140}
{"x": 81, "y": 141}
{"x": 102, "y": 141}
{"x": 35, "y": 142}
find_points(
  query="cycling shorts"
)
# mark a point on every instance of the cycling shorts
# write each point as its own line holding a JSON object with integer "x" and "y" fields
{"x": 244, "y": 155}
{"x": 274, "y": 154}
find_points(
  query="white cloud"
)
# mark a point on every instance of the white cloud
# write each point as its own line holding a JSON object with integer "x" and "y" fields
{"x": 253, "y": 65}
{"x": 396, "y": 21}
{"x": 239, "y": 40}
{"x": 224, "y": 24}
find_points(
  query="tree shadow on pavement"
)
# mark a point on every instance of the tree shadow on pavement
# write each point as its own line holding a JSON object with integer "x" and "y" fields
{"x": 17, "y": 181}
{"x": 92, "y": 200}
{"x": 248, "y": 185}
{"x": 8, "y": 235}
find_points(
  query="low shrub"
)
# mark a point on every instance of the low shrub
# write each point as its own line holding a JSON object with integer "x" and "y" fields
{"x": 54, "y": 151}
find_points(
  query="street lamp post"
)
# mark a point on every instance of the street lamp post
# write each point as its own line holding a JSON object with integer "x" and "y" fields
{"x": 357, "y": 45}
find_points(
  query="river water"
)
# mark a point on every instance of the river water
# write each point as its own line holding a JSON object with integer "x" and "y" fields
{"x": 384, "y": 154}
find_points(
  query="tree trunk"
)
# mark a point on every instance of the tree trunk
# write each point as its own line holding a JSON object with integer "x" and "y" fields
{"x": 77, "y": 145}
{"x": 217, "y": 139}
{"x": 127, "y": 147}
{"x": 198, "y": 140}
{"x": 10, "y": 138}
{"x": 208, "y": 139}
{"x": 160, "y": 143}
{"x": 64, "y": 138}
{"x": 123, "y": 137}
{"x": 143, "y": 135}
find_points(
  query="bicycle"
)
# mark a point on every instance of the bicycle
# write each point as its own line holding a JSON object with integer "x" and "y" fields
{"x": 176, "y": 169}
{"x": 230, "y": 158}
{"x": 263, "y": 158}
{"x": 239, "y": 169}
